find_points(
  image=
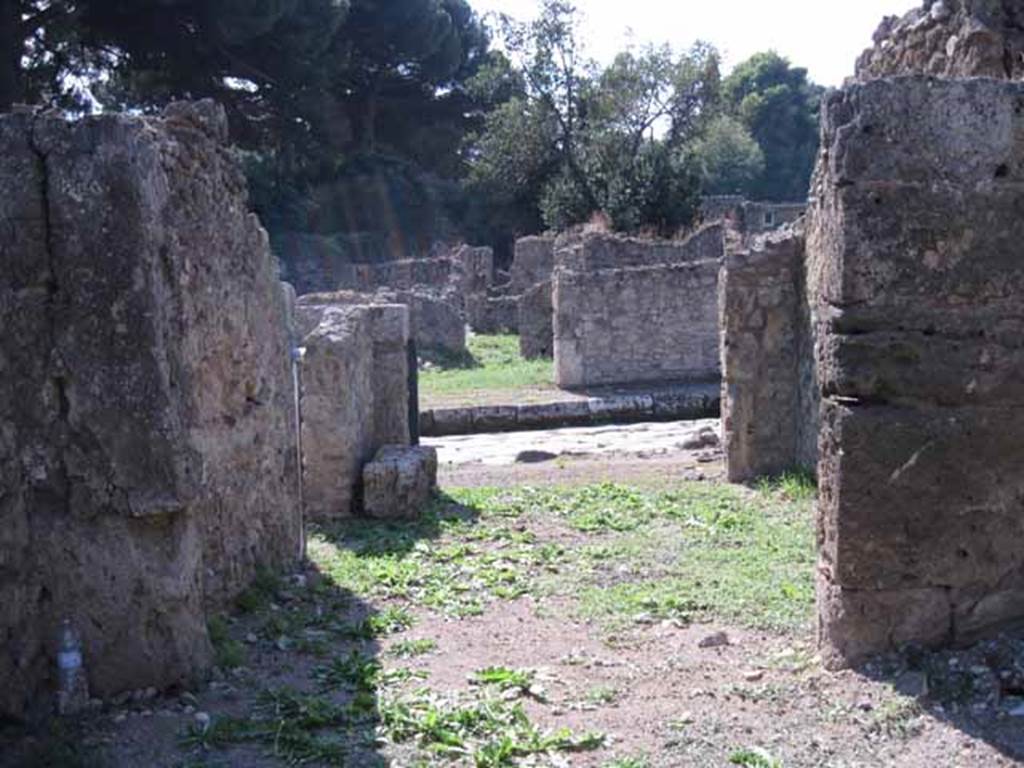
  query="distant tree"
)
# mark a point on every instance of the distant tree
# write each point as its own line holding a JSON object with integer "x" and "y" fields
{"x": 727, "y": 158}
{"x": 580, "y": 140}
{"x": 779, "y": 106}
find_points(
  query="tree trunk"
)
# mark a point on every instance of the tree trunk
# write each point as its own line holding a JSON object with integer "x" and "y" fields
{"x": 11, "y": 49}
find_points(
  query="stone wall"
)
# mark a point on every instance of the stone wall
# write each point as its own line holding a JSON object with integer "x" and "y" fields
{"x": 355, "y": 396}
{"x": 434, "y": 321}
{"x": 594, "y": 251}
{"x": 915, "y": 259}
{"x": 769, "y": 397}
{"x": 406, "y": 274}
{"x": 750, "y": 217}
{"x": 145, "y": 397}
{"x": 636, "y": 325}
{"x": 492, "y": 314}
{"x": 533, "y": 262}
{"x": 536, "y": 322}
{"x": 316, "y": 262}
{"x": 949, "y": 38}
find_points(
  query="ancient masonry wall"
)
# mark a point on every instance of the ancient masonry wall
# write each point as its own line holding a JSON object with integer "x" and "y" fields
{"x": 536, "y": 322}
{"x": 949, "y": 38}
{"x": 916, "y": 265}
{"x": 595, "y": 251}
{"x": 145, "y": 397}
{"x": 769, "y": 396}
{"x": 653, "y": 320}
{"x": 532, "y": 263}
{"x": 434, "y": 323}
{"x": 636, "y": 325}
{"x": 355, "y": 397}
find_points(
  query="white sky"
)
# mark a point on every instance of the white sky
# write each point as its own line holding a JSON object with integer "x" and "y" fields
{"x": 825, "y": 36}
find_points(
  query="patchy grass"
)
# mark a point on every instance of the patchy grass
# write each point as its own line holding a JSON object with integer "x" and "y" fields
{"x": 491, "y": 732}
{"x": 494, "y": 363}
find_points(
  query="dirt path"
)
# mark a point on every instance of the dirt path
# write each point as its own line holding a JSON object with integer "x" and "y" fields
{"x": 662, "y": 628}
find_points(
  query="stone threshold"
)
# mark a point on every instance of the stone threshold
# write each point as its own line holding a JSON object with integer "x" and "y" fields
{"x": 682, "y": 402}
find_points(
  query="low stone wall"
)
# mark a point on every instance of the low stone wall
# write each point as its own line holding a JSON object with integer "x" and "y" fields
{"x": 642, "y": 324}
{"x": 536, "y": 322}
{"x": 434, "y": 321}
{"x": 406, "y": 274}
{"x": 147, "y": 447}
{"x": 532, "y": 263}
{"x": 683, "y": 403}
{"x": 595, "y": 251}
{"x": 355, "y": 397}
{"x": 492, "y": 314}
{"x": 313, "y": 262}
{"x": 915, "y": 257}
{"x": 769, "y": 397}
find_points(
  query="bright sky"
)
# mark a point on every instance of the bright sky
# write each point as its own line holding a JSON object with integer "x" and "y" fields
{"x": 825, "y": 36}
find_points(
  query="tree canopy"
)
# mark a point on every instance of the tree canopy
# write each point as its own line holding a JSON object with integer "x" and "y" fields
{"x": 397, "y": 119}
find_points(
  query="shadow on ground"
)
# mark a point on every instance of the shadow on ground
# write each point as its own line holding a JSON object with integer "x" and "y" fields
{"x": 295, "y": 682}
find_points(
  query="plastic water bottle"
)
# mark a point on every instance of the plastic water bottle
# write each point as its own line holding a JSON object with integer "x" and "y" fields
{"x": 73, "y": 690}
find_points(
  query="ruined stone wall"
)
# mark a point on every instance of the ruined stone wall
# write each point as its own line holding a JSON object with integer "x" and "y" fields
{"x": 355, "y": 396}
{"x": 314, "y": 262}
{"x": 950, "y": 38}
{"x": 532, "y": 263}
{"x": 147, "y": 449}
{"x": 914, "y": 247}
{"x": 635, "y": 325}
{"x": 597, "y": 250}
{"x": 492, "y": 314}
{"x": 406, "y": 274}
{"x": 769, "y": 405}
{"x": 434, "y": 321}
{"x": 536, "y": 322}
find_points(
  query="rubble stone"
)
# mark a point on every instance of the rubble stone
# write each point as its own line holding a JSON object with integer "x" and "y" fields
{"x": 399, "y": 482}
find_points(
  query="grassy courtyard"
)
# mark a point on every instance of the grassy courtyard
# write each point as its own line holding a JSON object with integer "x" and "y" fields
{"x": 492, "y": 371}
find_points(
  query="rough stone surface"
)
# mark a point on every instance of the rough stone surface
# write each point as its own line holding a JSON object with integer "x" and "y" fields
{"x": 337, "y": 407}
{"x": 750, "y": 217}
{"x": 914, "y": 260}
{"x": 950, "y": 38}
{"x": 592, "y": 251}
{"x": 405, "y": 274}
{"x": 434, "y": 321}
{"x": 536, "y": 322}
{"x": 532, "y": 263}
{"x": 314, "y": 262}
{"x": 492, "y": 314}
{"x": 640, "y": 324}
{"x": 355, "y": 396}
{"x": 147, "y": 448}
{"x": 398, "y": 483}
{"x": 769, "y": 397}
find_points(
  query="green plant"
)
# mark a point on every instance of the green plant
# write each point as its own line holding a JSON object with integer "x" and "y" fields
{"x": 755, "y": 758}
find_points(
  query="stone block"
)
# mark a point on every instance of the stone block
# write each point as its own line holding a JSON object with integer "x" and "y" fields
{"x": 399, "y": 482}
{"x": 536, "y": 322}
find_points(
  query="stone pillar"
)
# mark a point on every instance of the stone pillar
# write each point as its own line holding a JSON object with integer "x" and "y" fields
{"x": 915, "y": 259}
{"x": 389, "y": 327}
{"x": 338, "y": 416}
{"x": 769, "y": 401}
